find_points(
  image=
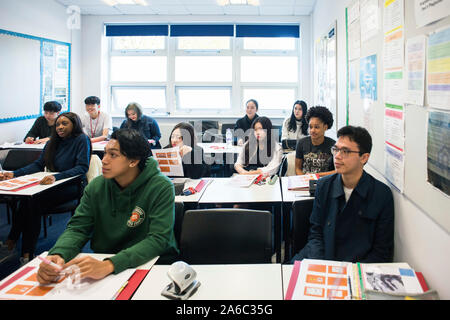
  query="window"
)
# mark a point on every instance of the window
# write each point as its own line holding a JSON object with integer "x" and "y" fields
{"x": 204, "y": 69}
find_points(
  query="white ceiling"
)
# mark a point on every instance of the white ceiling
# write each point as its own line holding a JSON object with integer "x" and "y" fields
{"x": 195, "y": 7}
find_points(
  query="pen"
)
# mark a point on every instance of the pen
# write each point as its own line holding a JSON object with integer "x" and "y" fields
{"x": 119, "y": 291}
{"x": 54, "y": 265}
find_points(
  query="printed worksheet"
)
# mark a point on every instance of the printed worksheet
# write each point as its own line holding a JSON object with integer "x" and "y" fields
{"x": 169, "y": 161}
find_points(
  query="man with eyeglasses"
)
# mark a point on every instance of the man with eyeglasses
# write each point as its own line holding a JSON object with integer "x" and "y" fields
{"x": 353, "y": 213}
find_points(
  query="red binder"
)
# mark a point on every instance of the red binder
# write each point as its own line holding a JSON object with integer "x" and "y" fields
{"x": 133, "y": 283}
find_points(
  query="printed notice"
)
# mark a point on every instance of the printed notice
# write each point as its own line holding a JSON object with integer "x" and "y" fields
{"x": 169, "y": 161}
{"x": 428, "y": 11}
{"x": 415, "y": 70}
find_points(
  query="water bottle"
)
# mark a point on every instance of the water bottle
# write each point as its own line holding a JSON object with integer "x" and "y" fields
{"x": 229, "y": 138}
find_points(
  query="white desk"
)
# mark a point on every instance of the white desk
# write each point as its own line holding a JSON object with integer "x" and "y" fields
{"x": 291, "y": 196}
{"x": 220, "y": 282}
{"x": 193, "y": 198}
{"x": 221, "y": 191}
{"x": 33, "y": 190}
{"x": 96, "y": 146}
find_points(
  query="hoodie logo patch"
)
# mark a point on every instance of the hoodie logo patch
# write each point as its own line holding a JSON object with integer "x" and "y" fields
{"x": 137, "y": 216}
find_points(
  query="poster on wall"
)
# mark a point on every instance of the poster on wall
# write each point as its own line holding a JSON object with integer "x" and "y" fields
{"x": 325, "y": 71}
{"x": 438, "y": 69}
{"x": 415, "y": 70}
{"x": 438, "y": 150}
{"x": 370, "y": 23}
{"x": 55, "y": 67}
{"x": 368, "y": 77}
{"x": 428, "y": 11}
{"x": 354, "y": 31}
{"x": 393, "y": 51}
{"x": 394, "y": 166}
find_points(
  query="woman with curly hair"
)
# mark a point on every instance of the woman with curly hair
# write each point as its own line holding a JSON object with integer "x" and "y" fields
{"x": 313, "y": 153}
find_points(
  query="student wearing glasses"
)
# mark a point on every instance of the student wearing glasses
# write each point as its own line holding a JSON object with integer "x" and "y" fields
{"x": 128, "y": 211}
{"x": 97, "y": 125}
{"x": 192, "y": 155}
{"x": 42, "y": 128}
{"x": 353, "y": 213}
{"x": 313, "y": 153}
{"x": 146, "y": 125}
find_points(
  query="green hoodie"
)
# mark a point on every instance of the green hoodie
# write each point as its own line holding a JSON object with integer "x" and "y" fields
{"x": 135, "y": 223}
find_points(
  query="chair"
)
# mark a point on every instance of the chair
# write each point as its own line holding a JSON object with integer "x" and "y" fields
{"x": 209, "y": 131}
{"x": 179, "y": 215}
{"x": 301, "y": 212}
{"x": 279, "y": 131}
{"x": 290, "y": 157}
{"x": 226, "y": 236}
{"x": 95, "y": 169}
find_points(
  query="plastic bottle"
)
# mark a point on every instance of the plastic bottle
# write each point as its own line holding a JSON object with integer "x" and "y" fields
{"x": 229, "y": 138}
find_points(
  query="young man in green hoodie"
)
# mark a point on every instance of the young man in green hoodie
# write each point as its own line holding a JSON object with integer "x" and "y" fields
{"x": 128, "y": 211}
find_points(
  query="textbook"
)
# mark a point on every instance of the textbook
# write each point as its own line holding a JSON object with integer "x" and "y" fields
{"x": 313, "y": 279}
{"x": 16, "y": 183}
{"x": 301, "y": 183}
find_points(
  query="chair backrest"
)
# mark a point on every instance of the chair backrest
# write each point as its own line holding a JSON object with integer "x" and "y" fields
{"x": 283, "y": 167}
{"x": 95, "y": 168}
{"x": 179, "y": 215}
{"x": 226, "y": 236}
{"x": 19, "y": 158}
{"x": 276, "y": 127}
{"x": 301, "y": 212}
{"x": 290, "y": 163}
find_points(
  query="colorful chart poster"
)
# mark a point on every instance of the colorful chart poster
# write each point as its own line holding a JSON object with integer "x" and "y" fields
{"x": 394, "y": 126}
{"x": 428, "y": 11}
{"x": 438, "y": 69}
{"x": 415, "y": 70}
{"x": 320, "y": 280}
{"x": 438, "y": 150}
{"x": 169, "y": 161}
{"x": 368, "y": 77}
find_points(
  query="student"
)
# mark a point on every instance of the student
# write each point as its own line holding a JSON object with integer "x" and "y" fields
{"x": 353, "y": 213}
{"x": 43, "y": 125}
{"x": 146, "y": 125}
{"x": 129, "y": 211}
{"x": 68, "y": 153}
{"x": 183, "y": 136}
{"x": 313, "y": 153}
{"x": 261, "y": 154}
{"x": 96, "y": 125}
{"x": 245, "y": 123}
{"x": 295, "y": 126}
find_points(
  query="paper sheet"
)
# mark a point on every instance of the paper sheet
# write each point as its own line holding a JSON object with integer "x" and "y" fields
{"x": 169, "y": 161}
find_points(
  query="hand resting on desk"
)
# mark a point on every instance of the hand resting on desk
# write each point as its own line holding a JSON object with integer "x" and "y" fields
{"x": 89, "y": 268}
{"x": 6, "y": 176}
{"x": 48, "y": 179}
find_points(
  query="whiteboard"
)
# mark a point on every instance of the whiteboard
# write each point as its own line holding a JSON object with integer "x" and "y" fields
{"x": 432, "y": 201}
{"x": 33, "y": 71}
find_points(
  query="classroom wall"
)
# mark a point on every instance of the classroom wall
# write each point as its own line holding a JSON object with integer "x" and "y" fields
{"x": 419, "y": 240}
{"x": 94, "y": 68}
{"x": 46, "y": 19}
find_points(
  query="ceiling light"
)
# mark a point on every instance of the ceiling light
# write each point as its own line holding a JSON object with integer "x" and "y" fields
{"x": 116, "y": 2}
{"x": 238, "y": 2}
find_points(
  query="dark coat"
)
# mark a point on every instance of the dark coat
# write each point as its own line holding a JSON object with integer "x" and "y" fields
{"x": 360, "y": 230}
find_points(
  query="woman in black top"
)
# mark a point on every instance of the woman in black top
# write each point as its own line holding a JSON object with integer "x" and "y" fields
{"x": 313, "y": 153}
{"x": 183, "y": 136}
{"x": 245, "y": 123}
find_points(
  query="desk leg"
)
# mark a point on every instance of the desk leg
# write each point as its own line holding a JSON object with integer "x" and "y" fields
{"x": 287, "y": 231}
{"x": 277, "y": 231}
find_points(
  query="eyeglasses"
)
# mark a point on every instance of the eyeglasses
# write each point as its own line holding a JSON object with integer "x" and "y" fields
{"x": 344, "y": 151}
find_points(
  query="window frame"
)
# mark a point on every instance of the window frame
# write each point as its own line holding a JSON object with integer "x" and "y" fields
{"x": 236, "y": 51}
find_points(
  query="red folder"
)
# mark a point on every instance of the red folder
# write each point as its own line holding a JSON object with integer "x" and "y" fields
{"x": 133, "y": 283}
{"x": 293, "y": 280}
{"x": 200, "y": 186}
